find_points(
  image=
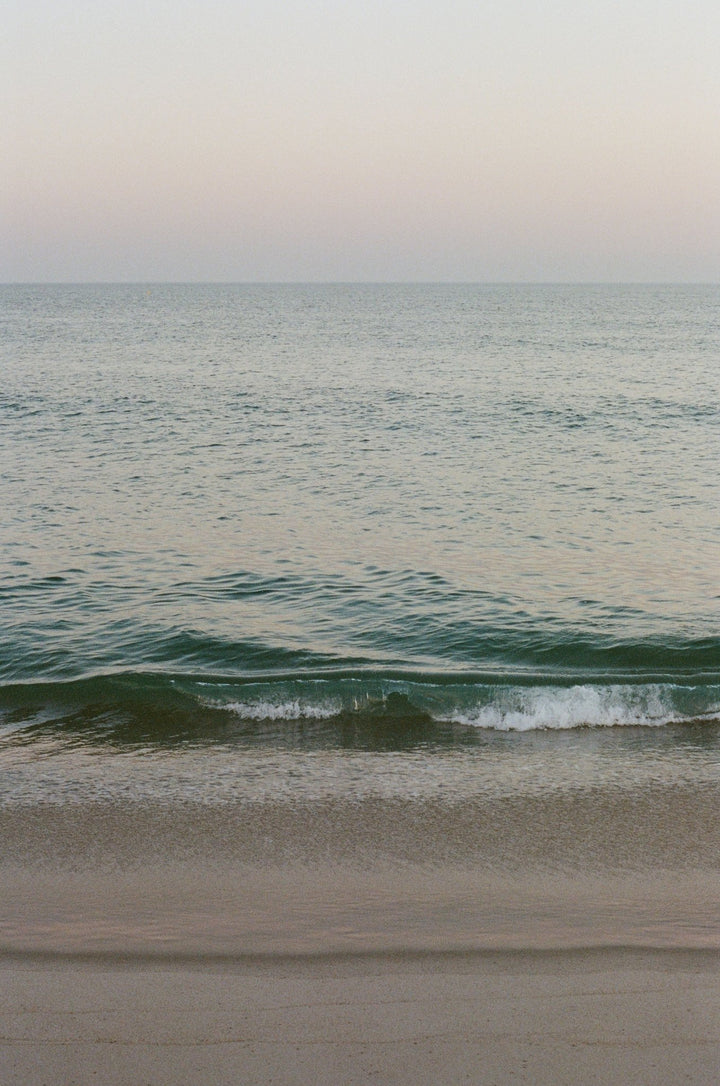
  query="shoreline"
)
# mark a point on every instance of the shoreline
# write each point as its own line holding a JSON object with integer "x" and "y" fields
{"x": 589, "y": 827}
{"x": 188, "y": 912}
{"x": 598, "y": 868}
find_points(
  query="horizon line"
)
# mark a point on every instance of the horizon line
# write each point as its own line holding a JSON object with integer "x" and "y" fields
{"x": 360, "y": 282}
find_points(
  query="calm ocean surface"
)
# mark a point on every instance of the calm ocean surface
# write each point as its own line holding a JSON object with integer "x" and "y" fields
{"x": 263, "y": 540}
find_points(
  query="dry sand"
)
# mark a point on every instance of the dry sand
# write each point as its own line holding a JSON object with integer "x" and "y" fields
{"x": 575, "y": 1017}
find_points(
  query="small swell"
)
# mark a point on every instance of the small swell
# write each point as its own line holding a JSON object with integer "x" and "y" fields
{"x": 141, "y": 709}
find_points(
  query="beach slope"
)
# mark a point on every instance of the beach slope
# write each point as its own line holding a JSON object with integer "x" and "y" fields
{"x": 555, "y": 1017}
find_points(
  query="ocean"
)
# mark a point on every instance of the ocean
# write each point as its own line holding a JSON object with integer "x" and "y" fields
{"x": 408, "y": 574}
{"x": 357, "y": 518}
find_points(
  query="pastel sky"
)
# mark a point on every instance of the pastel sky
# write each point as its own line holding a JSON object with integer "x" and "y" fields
{"x": 359, "y": 140}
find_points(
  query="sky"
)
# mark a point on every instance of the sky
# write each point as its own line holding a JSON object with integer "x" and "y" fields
{"x": 354, "y": 140}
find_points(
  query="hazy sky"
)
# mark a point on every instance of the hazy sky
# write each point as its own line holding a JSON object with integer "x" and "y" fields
{"x": 310, "y": 140}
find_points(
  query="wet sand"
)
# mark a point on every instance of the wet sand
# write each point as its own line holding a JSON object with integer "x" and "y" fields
{"x": 555, "y": 941}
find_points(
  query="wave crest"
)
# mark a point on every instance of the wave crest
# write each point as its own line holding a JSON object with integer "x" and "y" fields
{"x": 527, "y": 709}
{"x": 137, "y": 708}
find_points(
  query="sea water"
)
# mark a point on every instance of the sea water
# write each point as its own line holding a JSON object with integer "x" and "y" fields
{"x": 350, "y": 540}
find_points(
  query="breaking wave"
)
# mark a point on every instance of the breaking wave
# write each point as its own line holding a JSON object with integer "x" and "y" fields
{"x": 140, "y": 708}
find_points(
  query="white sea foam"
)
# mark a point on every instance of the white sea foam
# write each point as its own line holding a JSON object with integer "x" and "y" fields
{"x": 281, "y": 710}
{"x": 530, "y": 708}
{"x": 508, "y": 708}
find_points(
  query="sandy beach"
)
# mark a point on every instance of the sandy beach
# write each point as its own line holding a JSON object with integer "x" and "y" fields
{"x": 261, "y": 944}
{"x": 583, "y": 1016}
